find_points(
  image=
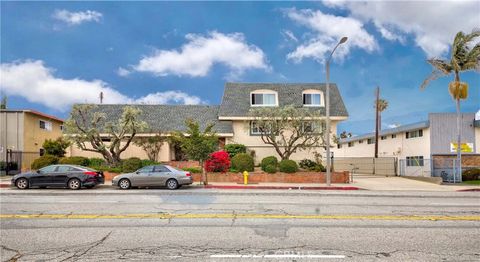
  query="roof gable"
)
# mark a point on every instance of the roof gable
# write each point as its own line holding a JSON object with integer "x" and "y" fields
{"x": 236, "y": 97}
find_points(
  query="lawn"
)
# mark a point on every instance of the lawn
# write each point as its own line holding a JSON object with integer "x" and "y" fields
{"x": 472, "y": 182}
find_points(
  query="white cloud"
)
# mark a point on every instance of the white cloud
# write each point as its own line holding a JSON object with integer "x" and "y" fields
{"x": 168, "y": 97}
{"x": 200, "y": 53}
{"x": 433, "y": 24}
{"x": 76, "y": 18}
{"x": 36, "y": 83}
{"x": 328, "y": 30}
{"x": 123, "y": 72}
{"x": 289, "y": 34}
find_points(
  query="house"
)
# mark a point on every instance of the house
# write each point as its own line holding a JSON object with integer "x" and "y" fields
{"x": 425, "y": 148}
{"x": 22, "y": 133}
{"x": 231, "y": 118}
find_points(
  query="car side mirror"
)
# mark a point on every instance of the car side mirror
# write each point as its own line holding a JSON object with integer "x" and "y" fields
{"x": 137, "y": 172}
{"x": 39, "y": 172}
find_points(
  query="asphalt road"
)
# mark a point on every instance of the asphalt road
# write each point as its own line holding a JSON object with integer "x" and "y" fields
{"x": 238, "y": 225}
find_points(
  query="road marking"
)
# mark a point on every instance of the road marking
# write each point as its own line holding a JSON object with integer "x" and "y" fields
{"x": 237, "y": 216}
{"x": 276, "y": 256}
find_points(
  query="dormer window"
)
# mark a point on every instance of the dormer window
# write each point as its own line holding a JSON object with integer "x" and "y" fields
{"x": 264, "y": 98}
{"x": 312, "y": 98}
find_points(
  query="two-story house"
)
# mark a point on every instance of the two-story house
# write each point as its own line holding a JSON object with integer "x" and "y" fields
{"x": 22, "y": 133}
{"x": 233, "y": 123}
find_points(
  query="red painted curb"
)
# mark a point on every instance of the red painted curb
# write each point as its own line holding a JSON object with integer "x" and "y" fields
{"x": 284, "y": 187}
{"x": 469, "y": 190}
{"x": 4, "y": 185}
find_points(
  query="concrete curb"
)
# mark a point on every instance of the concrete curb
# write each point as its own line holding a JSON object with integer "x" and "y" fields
{"x": 282, "y": 187}
{"x": 469, "y": 190}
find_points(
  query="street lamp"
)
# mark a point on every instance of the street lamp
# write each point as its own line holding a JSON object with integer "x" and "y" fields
{"x": 327, "y": 105}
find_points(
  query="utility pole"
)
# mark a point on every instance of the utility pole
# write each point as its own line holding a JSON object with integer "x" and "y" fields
{"x": 377, "y": 120}
{"x": 101, "y": 97}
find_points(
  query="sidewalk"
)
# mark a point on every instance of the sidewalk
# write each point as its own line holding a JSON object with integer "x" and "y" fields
{"x": 287, "y": 186}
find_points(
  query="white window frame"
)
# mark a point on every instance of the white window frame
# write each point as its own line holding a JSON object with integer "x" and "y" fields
{"x": 257, "y": 133}
{"x": 264, "y": 92}
{"x": 313, "y": 92}
{"x": 316, "y": 129}
{"x": 415, "y": 133}
{"x": 47, "y": 125}
{"x": 415, "y": 161}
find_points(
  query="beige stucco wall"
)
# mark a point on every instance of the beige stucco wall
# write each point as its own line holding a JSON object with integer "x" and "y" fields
{"x": 477, "y": 140}
{"x": 242, "y": 136}
{"x": 399, "y": 147}
{"x": 132, "y": 151}
{"x": 11, "y": 131}
{"x": 34, "y": 136}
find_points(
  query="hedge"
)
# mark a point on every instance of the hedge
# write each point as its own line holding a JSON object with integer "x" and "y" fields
{"x": 288, "y": 166}
{"x": 44, "y": 161}
{"x": 471, "y": 174}
{"x": 131, "y": 164}
{"x": 271, "y": 169}
{"x": 95, "y": 161}
{"x": 234, "y": 149}
{"x": 242, "y": 162}
{"x": 75, "y": 160}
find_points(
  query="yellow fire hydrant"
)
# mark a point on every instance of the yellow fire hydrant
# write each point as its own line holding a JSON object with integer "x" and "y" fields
{"x": 245, "y": 177}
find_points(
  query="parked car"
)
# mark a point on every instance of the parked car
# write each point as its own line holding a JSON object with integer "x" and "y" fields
{"x": 71, "y": 176}
{"x": 153, "y": 176}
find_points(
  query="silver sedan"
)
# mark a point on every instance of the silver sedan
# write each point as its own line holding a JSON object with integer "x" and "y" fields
{"x": 154, "y": 176}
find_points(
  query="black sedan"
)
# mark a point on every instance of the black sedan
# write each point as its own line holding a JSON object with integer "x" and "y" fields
{"x": 71, "y": 176}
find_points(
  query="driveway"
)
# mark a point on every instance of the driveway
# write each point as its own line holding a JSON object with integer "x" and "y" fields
{"x": 395, "y": 183}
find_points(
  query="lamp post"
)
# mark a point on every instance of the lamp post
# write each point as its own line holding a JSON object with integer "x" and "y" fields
{"x": 327, "y": 105}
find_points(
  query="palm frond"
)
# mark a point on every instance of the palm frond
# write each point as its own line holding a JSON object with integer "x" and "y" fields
{"x": 441, "y": 65}
{"x": 433, "y": 76}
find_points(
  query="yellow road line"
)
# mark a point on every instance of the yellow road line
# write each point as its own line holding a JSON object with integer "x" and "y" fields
{"x": 236, "y": 216}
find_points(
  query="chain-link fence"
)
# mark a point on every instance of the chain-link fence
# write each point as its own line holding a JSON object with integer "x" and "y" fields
{"x": 446, "y": 168}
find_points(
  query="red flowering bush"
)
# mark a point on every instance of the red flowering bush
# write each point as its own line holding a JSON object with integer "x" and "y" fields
{"x": 218, "y": 162}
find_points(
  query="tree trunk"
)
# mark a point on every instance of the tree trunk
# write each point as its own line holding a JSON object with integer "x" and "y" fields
{"x": 204, "y": 174}
{"x": 459, "y": 138}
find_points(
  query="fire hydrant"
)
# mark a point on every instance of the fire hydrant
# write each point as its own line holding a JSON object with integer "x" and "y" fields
{"x": 245, "y": 177}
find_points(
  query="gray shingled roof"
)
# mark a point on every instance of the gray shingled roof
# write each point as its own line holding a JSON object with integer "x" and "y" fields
{"x": 396, "y": 130}
{"x": 168, "y": 118}
{"x": 236, "y": 97}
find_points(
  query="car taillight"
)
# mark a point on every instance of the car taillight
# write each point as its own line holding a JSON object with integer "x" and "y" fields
{"x": 90, "y": 173}
{"x": 188, "y": 174}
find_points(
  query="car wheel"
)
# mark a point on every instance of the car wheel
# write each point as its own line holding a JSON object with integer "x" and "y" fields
{"x": 172, "y": 184}
{"x": 22, "y": 183}
{"x": 74, "y": 184}
{"x": 124, "y": 184}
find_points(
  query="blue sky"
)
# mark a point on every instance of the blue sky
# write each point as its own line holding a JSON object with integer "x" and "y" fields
{"x": 54, "y": 54}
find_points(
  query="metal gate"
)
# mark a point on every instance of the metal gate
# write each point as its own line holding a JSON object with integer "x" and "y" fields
{"x": 19, "y": 160}
{"x": 385, "y": 166}
{"x": 415, "y": 167}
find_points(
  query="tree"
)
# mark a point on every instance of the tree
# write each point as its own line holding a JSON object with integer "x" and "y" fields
{"x": 288, "y": 129}
{"x": 464, "y": 57}
{"x": 3, "y": 103}
{"x": 151, "y": 145}
{"x": 197, "y": 144}
{"x": 382, "y": 105}
{"x": 344, "y": 134}
{"x": 56, "y": 147}
{"x": 88, "y": 126}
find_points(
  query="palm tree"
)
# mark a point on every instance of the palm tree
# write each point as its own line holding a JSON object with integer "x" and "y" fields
{"x": 464, "y": 57}
{"x": 382, "y": 106}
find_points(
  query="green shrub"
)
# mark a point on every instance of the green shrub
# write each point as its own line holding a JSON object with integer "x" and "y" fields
{"x": 288, "y": 166}
{"x": 43, "y": 161}
{"x": 11, "y": 165}
{"x": 471, "y": 174}
{"x": 55, "y": 147}
{"x": 319, "y": 168}
{"x": 242, "y": 162}
{"x": 307, "y": 164}
{"x": 194, "y": 170}
{"x": 107, "y": 168}
{"x": 234, "y": 149}
{"x": 74, "y": 160}
{"x": 269, "y": 161}
{"x": 95, "y": 161}
{"x": 148, "y": 162}
{"x": 271, "y": 169}
{"x": 131, "y": 164}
